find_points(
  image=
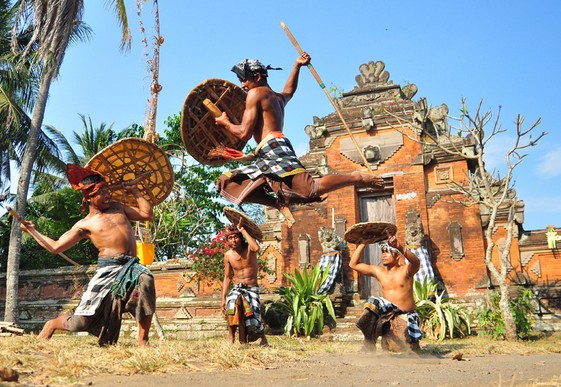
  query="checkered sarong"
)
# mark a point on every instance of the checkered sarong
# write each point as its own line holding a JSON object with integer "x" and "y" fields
{"x": 425, "y": 270}
{"x": 333, "y": 258}
{"x": 276, "y": 157}
{"x": 104, "y": 278}
{"x": 251, "y": 296}
{"x": 379, "y": 305}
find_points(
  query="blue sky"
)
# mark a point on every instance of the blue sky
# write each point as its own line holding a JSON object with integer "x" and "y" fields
{"x": 504, "y": 52}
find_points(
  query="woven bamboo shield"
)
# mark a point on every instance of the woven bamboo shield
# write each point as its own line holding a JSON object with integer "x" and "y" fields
{"x": 370, "y": 232}
{"x": 135, "y": 159}
{"x": 199, "y": 131}
{"x": 234, "y": 217}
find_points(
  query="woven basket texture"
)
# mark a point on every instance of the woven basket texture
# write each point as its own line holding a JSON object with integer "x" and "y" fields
{"x": 199, "y": 131}
{"x": 129, "y": 159}
{"x": 234, "y": 217}
{"x": 370, "y": 232}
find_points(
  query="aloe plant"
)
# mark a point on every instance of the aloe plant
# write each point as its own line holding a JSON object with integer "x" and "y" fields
{"x": 440, "y": 317}
{"x": 305, "y": 308}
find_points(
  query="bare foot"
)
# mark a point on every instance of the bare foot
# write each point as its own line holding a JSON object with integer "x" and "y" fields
{"x": 289, "y": 219}
{"x": 369, "y": 180}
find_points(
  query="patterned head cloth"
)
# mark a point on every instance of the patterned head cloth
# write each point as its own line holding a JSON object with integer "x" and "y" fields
{"x": 249, "y": 68}
{"x": 384, "y": 246}
{"x": 86, "y": 180}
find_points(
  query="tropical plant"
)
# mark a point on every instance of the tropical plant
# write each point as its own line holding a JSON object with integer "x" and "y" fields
{"x": 440, "y": 317}
{"x": 305, "y": 308}
{"x": 490, "y": 317}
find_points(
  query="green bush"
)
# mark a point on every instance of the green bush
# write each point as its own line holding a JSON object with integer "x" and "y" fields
{"x": 440, "y": 317}
{"x": 305, "y": 308}
{"x": 491, "y": 320}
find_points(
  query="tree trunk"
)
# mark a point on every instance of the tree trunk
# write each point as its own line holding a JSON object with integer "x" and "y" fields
{"x": 504, "y": 304}
{"x": 29, "y": 155}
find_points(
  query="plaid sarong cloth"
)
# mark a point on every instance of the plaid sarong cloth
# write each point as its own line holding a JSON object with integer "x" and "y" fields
{"x": 252, "y": 307}
{"x": 379, "y": 306}
{"x": 275, "y": 158}
{"x": 425, "y": 270}
{"x": 333, "y": 258}
{"x": 121, "y": 273}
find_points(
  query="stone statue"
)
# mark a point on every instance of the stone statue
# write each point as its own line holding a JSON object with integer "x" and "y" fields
{"x": 332, "y": 245}
{"x": 413, "y": 228}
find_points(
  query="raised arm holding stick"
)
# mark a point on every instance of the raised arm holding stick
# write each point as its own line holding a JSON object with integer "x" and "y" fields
{"x": 277, "y": 168}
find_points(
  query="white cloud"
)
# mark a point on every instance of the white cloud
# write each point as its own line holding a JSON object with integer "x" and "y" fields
{"x": 548, "y": 165}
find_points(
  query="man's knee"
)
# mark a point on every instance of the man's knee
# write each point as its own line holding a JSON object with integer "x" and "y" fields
{"x": 75, "y": 323}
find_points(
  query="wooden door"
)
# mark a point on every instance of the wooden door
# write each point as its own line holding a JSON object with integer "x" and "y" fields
{"x": 374, "y": 209}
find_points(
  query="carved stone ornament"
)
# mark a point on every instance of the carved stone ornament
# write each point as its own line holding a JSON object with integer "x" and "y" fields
{"x": 372, "y": 73}
{"x": 443, "y": 175}
{"x": 413, "y": 228}
{"x": 329, "y": 240}
{"x": 387, "y": 143}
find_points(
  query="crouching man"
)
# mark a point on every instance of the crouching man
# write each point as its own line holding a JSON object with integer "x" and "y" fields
{"x": 396, "y": 282}
{"x": 120, "y": 284}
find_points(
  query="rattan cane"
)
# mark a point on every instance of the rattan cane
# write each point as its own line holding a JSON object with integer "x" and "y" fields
{"x": 134, "y": 158}
{"x": 199, "y": 131}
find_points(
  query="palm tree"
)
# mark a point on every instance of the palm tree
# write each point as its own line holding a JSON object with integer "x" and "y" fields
{"x": 55, "y": 24}
{"x": 90, "y": 142}
{"x": 19, "y": 80}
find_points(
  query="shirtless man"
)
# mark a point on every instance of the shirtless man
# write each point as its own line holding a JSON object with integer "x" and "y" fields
{"x": 240, "y": 268}
{"x": 108, "y": 227}
{"x": 396, "y": 282}
{"x": 263, "y": 119}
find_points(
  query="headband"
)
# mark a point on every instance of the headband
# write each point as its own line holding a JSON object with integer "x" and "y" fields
{"x": 250, "y": 68}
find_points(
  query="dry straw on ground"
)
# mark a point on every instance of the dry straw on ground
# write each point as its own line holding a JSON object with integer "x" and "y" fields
{"x": 69, "y": 359}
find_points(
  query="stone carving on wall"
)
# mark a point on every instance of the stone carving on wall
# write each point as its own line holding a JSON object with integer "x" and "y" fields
{"x": 386, "y": 142}
{"x": 371, "y": 153}
{"x": 443, "y": 175}
{"x": 329, "y": 240}
{"x": 304, "y": 250}
{"x": 413, "y": 228}
{"x": 456, "y": 242}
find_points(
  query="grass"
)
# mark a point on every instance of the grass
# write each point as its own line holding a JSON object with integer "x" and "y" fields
{"x": 67, "y": 359}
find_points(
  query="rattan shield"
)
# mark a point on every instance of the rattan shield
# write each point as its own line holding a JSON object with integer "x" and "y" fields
{"x": 234, "y": 217}
{"x": 199, "y": 131}
{"x": 134, "y": 158}
{"x": 370, "y": 232}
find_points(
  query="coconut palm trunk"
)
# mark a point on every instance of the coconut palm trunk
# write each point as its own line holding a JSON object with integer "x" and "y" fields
{"x": 54, "y": 24}
{"x": 29, "y": 155}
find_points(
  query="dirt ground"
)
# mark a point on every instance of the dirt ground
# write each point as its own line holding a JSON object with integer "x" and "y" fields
{"x": 379, "y": 368}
